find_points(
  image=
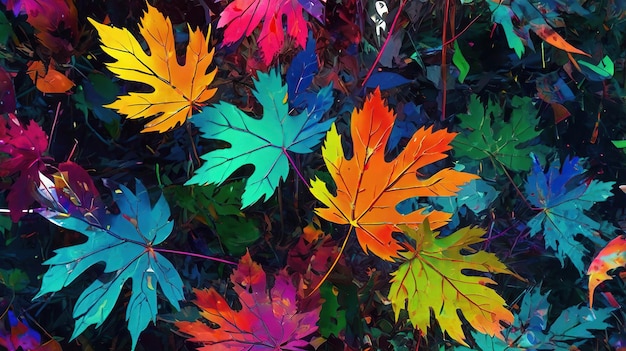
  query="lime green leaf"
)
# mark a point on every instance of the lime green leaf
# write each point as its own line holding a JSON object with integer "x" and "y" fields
{"x": 262, "y": 142}
{"x": 124, "y": 243}
{"x": 620, "y": 144}
{"x": 433, "y": 279}
{"x": 503, "y": 143}
{"x": 460, "y": 62}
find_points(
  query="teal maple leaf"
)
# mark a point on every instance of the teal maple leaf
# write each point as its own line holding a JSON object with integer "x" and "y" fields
{"x": 125, "y": 245}
{"x": 563, "y": 195}
{"x": 488, "y": 136}
{"x": 532, "y": 330}
{"x": 263, "y": 143}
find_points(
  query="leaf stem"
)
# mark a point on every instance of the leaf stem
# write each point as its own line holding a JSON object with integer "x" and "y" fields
{"x": 519, "y": 192}
{"x": 293, "y": 164}
{"x": 194, "y": 255}
{"x": 193, "y": 144}
{"x": 343, "y": 246}
{"x": 382, "y": 48}
{"x": 54, "y": 124}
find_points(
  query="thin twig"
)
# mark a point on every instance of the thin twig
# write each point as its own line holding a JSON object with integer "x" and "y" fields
{"x": 382, "y": 49}
{"x": 54, "y": 124}
{"x": 293, "y": 164}
{"x": 343, "y": 246}
{"x": 194, "y": 255}
{"x": 193, "y": 144}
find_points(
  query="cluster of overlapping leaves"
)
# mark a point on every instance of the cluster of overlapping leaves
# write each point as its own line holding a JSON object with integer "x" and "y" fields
{"x": 304, "y": 180}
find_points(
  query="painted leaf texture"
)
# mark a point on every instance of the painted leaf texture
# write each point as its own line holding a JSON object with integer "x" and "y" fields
{"x": 499, "y": 141}
{"x": 433, "y": 279}
{"x": 241, "y": 17}
{"x": 612, "y": 256}
{"x": 530, "y": 330}
{"x": 563, "y": 195}
{"x": 369, "y": 188}
{"x": 262, "y": 142}
{"x": 20, "y": 336}
{"x": 178, "y": 89}
{"x": 268, "y": 319}
{"x": 124, "y": 245}
{"x": 24, "y": 146}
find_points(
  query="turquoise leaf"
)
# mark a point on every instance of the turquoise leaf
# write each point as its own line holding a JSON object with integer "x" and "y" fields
{"x": 562, "y": 195}
{"x": 262, "y": 142}
{"x": 124, "y": 245}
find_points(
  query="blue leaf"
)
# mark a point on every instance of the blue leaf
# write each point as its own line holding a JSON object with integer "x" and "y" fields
{"x": 386, "y": 80}
{"x": 563, "y": 196}
{"x": 125, "y": 245}
{"x": 300, "y": 75}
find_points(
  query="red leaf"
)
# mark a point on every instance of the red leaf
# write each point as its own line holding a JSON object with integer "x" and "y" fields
{"x": 25, "y": 147}
{"x": 49, "y": 18}
{"x": 269, "y": 320}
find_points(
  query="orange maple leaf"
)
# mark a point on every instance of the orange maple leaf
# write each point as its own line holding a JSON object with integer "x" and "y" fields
{"x": 178, "y": 90}
{"x": 49, "y": 80}
{"x": 369, "y": 188}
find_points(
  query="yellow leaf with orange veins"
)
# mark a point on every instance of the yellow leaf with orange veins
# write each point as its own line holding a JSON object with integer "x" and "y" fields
{"x": 178, "y": 89}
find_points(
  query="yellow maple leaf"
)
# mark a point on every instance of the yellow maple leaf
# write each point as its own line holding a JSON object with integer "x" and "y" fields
{"x": 178, "y": 89}
{"x": 433, "y": 279}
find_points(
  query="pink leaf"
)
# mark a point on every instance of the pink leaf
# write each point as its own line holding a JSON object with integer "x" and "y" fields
{"x": 241, "y": 17}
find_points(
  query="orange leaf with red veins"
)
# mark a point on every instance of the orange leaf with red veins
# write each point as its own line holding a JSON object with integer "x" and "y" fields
{"x": 369, "y": 188}
{"x": 48, "y": 81}
{"x": 268, "y": 318}
{"x": 612, "y": 256}
{"x": 550, "y": 36}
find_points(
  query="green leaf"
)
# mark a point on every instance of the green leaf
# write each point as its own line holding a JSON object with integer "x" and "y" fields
{"x": 237, "y": 233}
{"x": 563, "y": 196}
{"x": 6, "y": 30}
{"x": 218, "y": 207}
{"x": 332, "y": 319}
{"x": 14, "y": 278}
{"x": 620, "y": 144}
{"x": 263, "y": 142}
{"x": 460, "y": 62}
{"x": 503, "y": 143}
{"x": 124, "y": 244}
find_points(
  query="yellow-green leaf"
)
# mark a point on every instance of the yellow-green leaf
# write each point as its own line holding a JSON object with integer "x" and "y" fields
{"x": 434, "y": 279}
